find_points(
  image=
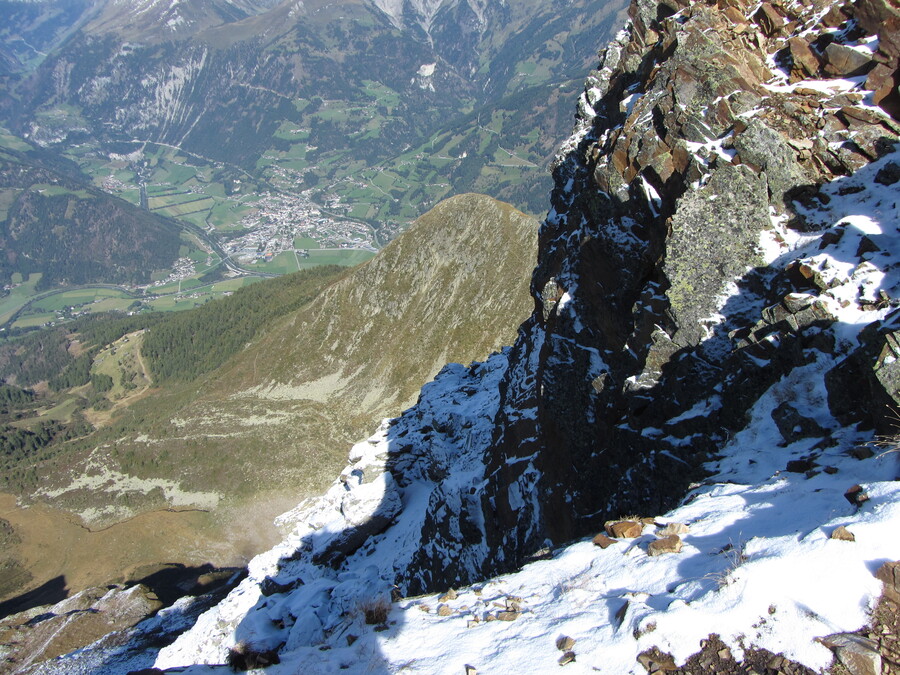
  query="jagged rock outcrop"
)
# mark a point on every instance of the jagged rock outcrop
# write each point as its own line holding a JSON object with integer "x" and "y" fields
{"x": 697, "y": 143}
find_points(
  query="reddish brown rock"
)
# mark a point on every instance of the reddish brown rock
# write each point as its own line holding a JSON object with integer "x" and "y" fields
{"x": 804, "y": 61}
{"x": 623, "y": 529}
{"x": 670, "y": 544}
{"x": 603, "y": 541}
{"x": 769, "y": 20}
{"x": 871, "y": 15}
{"x": 842, "y": 534}
{"x": 843, "y": 61}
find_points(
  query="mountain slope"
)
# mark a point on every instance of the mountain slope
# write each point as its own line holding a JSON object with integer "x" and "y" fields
{"x": 274, "y": 421}
{"x": 53, "y": 222}
{"x": 714, "y": 303}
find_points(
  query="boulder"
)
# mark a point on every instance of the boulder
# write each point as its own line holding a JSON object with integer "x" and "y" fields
{"x": 624, "y": 529}
{"x": 841, "y": 533}
{"x": 564, "y": 643}
{"x": 889, "y": 575}
{"x": 508, "y": 616}
{"x": 857, "y": 654}
{"x": 793, "y": 426}
{"x": 603, "y": 541}
{"x": 769, "y": 20}
{"x": 856, "y": 495}
{"x": 670, "y": 544}
{"x": 843, "y": 61}
{"x": 804, "y": 61}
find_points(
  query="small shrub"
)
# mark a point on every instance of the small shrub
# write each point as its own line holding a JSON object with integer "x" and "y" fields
{"x": 243, "y": 656}
{"x": 376, "y": 611}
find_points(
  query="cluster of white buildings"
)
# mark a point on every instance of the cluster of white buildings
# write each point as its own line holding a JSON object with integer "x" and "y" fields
{"x": 280, "y": 218}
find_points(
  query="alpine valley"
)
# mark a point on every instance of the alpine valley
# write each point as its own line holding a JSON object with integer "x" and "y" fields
{"x": 684, "y": 462}
{"x": 155, "y": 156}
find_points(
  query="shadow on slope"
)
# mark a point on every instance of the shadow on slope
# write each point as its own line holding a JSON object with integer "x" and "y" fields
{"x": 48, "y": 593}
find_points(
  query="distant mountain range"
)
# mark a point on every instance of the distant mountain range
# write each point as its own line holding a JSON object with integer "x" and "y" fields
{"x": 320, "y": 88}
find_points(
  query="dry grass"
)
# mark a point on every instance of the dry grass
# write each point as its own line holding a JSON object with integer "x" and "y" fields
{"x": 375, "y": 611}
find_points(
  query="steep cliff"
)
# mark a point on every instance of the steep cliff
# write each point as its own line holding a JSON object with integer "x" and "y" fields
{"x": 714, "y": 326}
{"x": 670, "y": 275}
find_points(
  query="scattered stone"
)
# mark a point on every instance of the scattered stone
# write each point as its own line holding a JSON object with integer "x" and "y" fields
{"x": 564, "y": 643}
{"x": 568, "y": 657}
{"x": 804, "y": 61}
{"x": 655, "y": 661}
{"x": 862, "y": 452}
{"x": 620, "y": 614}
{"x": 857, "y": 654}
{"x": 674, "y": 528}
{"x": 623, "y": 529}
{"x": 795, "y": 302}
{"x": 888, "y": 174}
{"x": 351, "y": 639}
{"x": 489, "y": 617}
{"x": 470, "y": 670}
{"x": 842, "y": 61}
{"x": 670, "y": 544}
{"x": 842, "y": 534}
{"x": 768, "y": 19}
{"x": 445, "y": 610}
{"x": 889, "y": 575}
{"x": 800, "y": 465}
{"x": 424, "y": 608}
{"x": 724, "y": 654}
{"x": 792, "y": 425}
{"x": 471, "y": 623}
{"x": 856, "y": 495}
{"x": 508, "y": 616}
{"x": 603, "y": 541}
{"x": 449, "y": 595}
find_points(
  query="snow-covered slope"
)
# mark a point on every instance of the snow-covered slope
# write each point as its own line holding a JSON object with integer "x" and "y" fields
{"x": 714, "y": 342}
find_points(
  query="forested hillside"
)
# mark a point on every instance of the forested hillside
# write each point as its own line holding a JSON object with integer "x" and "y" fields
{"x": 58, "y": 225}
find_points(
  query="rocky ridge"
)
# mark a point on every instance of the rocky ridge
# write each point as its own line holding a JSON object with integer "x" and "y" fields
{"x": 714, "y": 296}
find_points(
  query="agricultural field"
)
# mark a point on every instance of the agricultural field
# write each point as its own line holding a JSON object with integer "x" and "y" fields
{"x": 18, "y": 296}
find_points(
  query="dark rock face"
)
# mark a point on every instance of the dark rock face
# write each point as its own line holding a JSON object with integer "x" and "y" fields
{"x": 659, "y": 319}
